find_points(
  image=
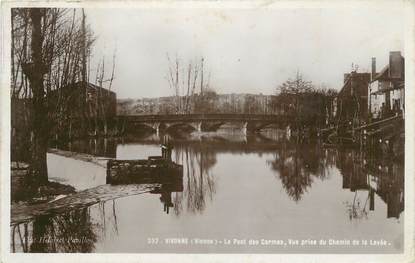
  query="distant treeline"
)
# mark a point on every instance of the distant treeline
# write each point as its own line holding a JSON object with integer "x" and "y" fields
{"x": 209, "y": 102}
{"x": 311, "y": 103}
{"x": 296, "y": 97}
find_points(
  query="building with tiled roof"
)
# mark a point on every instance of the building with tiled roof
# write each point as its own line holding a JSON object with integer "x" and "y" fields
{"x": 387, "y": 88}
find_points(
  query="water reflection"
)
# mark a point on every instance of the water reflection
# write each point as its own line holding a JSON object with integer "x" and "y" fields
{"x": 297, "y": 165}
{"x": 352, "y": 186}
{"x": 369, "y": 175}
{"x": 199, "y": 180}
{"x": 165, "y": 192}
{"x": 70, "y": 232}
{"x": 104, "y": 147}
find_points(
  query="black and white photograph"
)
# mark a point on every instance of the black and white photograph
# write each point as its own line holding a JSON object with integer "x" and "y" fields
{"x": 216, "y": 128}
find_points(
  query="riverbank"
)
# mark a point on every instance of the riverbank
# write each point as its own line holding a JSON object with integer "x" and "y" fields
{"x": 29, "y": 202}
{"x": 23, "y": 192}
{"x": 24, "y": 212}
{"x": 384, "y": 137}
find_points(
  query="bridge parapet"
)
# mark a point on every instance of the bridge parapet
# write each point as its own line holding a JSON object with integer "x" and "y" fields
{"x": 199, "y": 117}
{"x": 199, "y": 122}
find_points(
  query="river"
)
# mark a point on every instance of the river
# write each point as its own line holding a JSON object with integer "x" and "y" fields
{"x": 236, "y": 190}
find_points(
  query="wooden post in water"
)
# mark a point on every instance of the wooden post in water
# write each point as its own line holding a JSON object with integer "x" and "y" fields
{"x": 166, "y": 148}
{"x": 371, "y": 199}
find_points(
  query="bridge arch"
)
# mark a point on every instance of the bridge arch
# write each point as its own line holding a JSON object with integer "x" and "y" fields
{"x": 258, "y": 126}
{"x": 176, "y": 125}
{"x": 212, "y": 125}
{"x": 139, "y": 127}
{"x": 208, "y": 122}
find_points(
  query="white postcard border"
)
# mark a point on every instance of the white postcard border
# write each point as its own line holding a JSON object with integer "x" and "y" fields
{"x": 407, "y": 256}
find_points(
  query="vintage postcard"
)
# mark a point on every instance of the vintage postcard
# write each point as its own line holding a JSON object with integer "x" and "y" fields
{"x": 264, "y": 131}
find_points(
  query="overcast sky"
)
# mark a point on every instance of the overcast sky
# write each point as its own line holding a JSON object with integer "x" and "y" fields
{"x": 246, "y": 51}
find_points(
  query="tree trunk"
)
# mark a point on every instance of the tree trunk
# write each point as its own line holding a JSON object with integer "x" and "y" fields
{"x": 35, "y": 72}
{"x": 84, "y": 86}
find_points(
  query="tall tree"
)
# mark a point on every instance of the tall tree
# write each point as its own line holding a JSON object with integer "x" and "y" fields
{"x": 296, "y": 86}
{"x": 84, "y": 74}
{"x": 176, "y": 78}
{"x": 291, "y": 97}
{"x": 35, "y": 70}
{"x": 47, "y": 56}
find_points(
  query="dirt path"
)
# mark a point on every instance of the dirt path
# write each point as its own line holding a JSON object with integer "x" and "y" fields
{"x": 22, "y": 212}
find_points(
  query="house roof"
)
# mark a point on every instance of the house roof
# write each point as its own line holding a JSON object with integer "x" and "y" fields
{"x": 383, "y": 74}
{"x": 342, "y": 90}
{"x": 93, "y": 86}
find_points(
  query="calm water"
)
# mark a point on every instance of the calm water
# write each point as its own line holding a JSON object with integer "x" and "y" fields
{"x": 234, "y": 188}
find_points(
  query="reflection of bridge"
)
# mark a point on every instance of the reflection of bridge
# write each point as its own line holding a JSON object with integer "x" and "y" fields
{"x": 207, "y": 122}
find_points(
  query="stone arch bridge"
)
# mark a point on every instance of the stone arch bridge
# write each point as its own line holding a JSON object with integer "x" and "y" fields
{"x": 205, "y": 122}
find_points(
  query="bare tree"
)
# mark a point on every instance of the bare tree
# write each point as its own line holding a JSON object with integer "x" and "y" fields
{"x": 173, "y": 79}
{"x": 184, "y": 83}
{"x": 49, "y": 49}
{"x": 201, "y": 76}
{"x": 102, "y": 96}
{"x": 35, "y": 71}
{"x": 296, "y": 86}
